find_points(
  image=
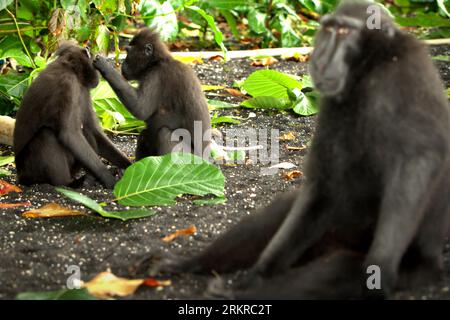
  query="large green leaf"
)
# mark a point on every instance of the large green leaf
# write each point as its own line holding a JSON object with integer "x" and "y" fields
{"x": 159, "y": 180}
{"x": 102, "y": 39}
{"x": 11, "y": 47}
{"x": 5, "y": 3}
{"x": 264, "y": 102}
{"x": 306, "y": 104}
{"x": 91, "y": 204}
{"x": 6, "y": 160}
{"x": 217, "y": 104}
{"x": 162, "y": 17}
{"x": 218, "y": 36}
{"x": 226, "y": 4}
{"x": 424, "y": 20}
{"x": 215, "y": 120}
{"x": 111, "y": 112}
{"x": 270, "y": 83}
{"x": 64, "y": 294}
{"x": 441, "y": 4}
{"x": 257, "y": 21}
{"x": 13, "y": 85}
{"x": 4, "y": 173}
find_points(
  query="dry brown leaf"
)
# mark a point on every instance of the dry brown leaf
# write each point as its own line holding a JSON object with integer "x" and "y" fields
{"x": 264, "y": 62}
{"x": 216, "y": 58}
{"x": 106, "y": 285}
{"x": 57, "y": 22}
{"x": 235, "y": 92}
{"x": 15, "y": 205}
{"x": 297, "y": 57}
{"x": 6, "y": 188}
{"x": 291, "y": 175}
{"x": 296, "y": 148}
{"x": 51, "y": 210}
{"x": 249, "y": 162}
{"x": 152, "y": 282}
{"x": 287, "y": 136}
{"x": 182, "y": 232}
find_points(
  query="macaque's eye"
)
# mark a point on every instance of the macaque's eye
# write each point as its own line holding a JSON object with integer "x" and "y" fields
{"x": 329, "y": 29}
{"x": 343, "y": 31}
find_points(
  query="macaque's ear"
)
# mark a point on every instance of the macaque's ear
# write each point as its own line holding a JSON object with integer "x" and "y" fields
{"x": 87, "y": 50}
{"x": 389, "y": 30}
{"x": 148, "y": 49}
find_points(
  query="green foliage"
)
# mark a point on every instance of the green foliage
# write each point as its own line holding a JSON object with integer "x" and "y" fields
{"x": 270, "y": 83}
{"x": 275, "y": 90}
{"x": 216, "y": 119}
{"x": 111, "y": 112}
{"x": 218, "y": 36}
{"x": 217, "y": 104}
{"x": 6, "y": 160}
{"x": 3, "y": 162}
{"x": 91, "y": 204}
{"x": 161, "y": 16}
{"x": 64, "y": 294}
{"x": 159, "y": 180}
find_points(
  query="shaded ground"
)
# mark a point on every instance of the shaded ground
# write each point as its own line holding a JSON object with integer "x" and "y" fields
{"x": 34, "y": 253}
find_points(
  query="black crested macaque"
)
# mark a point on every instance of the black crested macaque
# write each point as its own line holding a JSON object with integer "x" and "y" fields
{"x": 57, "y": 131}
{"x": 378, "y": 177}
{"x": 169, "y": 97}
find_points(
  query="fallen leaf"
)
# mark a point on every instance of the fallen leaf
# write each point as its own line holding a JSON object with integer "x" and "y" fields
{"x": 287, "y": 136}
{"x": 51, "y": 210}
{"x": 296, "y": 57}
{"x": 15, "y": 205}
{"x": 235, "y": 92}
{"x": 296, "y": 148}
{"x": 263, "y": 62}
{"x": 206, "y": 87}
{"x": 283, "y": 165}
{"x": 291, "y": 175}
{"x": 106, "y": 285}
{"x": 182, "y": 232}
{"x": 216, "y": 58}
{"x": 6, "y": 188}
{"x": 188, "y": 59}
{"x": 152, "y": 282}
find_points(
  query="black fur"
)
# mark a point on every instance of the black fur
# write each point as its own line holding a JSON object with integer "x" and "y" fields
{"x": 169, "y": 96}
{"x": 56, "y": 129}
{"x": 378, "y": 177}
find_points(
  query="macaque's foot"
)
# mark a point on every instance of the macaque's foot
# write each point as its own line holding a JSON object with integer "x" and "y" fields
{"x": 217, "y": 290}
{"x": 165, "y": 263}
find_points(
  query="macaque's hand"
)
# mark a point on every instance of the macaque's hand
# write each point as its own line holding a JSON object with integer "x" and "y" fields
{"x": 100, "y": 62}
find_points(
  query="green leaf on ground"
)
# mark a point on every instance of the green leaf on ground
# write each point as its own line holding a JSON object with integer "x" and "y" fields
{"x": 65, "y": 294}
{"x": 159, "y": 180}
{"x": 306, "y": 103}
{"x": 4, "y": 173}
{"x": 6, "y": 160}
{"x": 263, "y": 102}
{"x": 93, "y": 205}
{"x": 217, "y": 104}
{"x": 270, "y": 83}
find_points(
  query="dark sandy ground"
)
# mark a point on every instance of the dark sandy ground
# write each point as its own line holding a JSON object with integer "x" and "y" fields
{"x": 34, "y": 253}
